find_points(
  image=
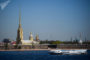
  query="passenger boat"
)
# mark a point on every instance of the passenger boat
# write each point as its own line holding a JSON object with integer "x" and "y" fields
{"x": 60, "y": 52}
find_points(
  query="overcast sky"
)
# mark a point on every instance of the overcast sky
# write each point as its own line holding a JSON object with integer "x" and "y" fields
{"x": 51, "y": 19}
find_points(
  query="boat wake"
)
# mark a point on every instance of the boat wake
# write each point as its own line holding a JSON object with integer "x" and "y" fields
{"x": 68, "y": 52}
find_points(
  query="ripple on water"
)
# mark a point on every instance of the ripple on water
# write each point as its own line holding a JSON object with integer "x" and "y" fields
{"x": 39, "y": 55}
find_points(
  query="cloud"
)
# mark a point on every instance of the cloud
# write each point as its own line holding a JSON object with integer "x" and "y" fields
{"x": 4, "y": 4}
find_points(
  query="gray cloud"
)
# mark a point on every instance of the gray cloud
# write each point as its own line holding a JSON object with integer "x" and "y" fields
{"x": 4, "y": 4}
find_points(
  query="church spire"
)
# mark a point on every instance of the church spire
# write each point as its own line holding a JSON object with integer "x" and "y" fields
{"x": 19, "y": 17}
{"x": 19, "y": 31}
{"x": 37, "y": 37}
{"x": 31, "y": 36}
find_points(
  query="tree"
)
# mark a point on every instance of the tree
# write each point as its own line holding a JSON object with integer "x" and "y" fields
{"x": 6, "y": 41}
{"x": 56, "y": 42}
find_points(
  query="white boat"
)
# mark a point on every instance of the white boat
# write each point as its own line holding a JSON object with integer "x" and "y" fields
{"x": 78, "y": 51}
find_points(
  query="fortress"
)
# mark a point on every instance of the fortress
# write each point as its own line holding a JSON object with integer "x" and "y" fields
{"x": 19, "y": 39}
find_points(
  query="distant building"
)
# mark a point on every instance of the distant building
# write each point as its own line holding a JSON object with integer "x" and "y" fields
{"x": 37, "y": 37}
{"x": 13, "y": 42}
{"x": 80, "y": 41}
{"x": 19, "y": 31}
{"x": 30, "y": 41}
{"x": 19, "y": 39}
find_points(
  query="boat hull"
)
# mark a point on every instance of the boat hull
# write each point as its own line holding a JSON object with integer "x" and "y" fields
{"x": 56, "y": 53}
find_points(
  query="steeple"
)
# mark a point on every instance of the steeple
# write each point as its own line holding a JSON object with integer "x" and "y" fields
{"x": 37, "y": 37}
{"x": 31, "y": 36}
{"x": 19, "y": 17}
{"x": 19, "y": 31}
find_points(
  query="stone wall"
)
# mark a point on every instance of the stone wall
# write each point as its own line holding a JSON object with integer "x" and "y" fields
{"x": 73, "y": 46}
{"x": 43, "y": 46}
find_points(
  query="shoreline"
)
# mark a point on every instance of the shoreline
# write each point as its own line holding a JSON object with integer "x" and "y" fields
{"x": 36, "y": 49}
{"x": 24, "y": 50}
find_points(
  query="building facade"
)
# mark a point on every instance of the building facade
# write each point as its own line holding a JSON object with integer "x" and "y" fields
{"x": 20, "y": 41}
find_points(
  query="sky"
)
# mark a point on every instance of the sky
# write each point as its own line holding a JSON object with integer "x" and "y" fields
{"x": 50, "y": 19}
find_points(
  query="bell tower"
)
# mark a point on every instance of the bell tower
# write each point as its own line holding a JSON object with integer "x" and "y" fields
{"x": 19, "y": 31}
{"x": 37, "y": 37}
{"x": 31, "y": 36}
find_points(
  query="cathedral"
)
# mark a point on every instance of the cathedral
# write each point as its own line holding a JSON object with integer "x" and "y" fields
{"x": 19, "y": 39}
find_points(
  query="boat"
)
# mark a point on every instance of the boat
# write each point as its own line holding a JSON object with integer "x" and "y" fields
{"x": 53, "y": 52}
{"x": 69, "y": 52}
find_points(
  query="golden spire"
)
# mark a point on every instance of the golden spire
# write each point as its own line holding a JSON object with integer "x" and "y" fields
{"x": 31, "y": 36}
{"x": 30, "y": 32}
{"x": 37, "y": 37}
{"x": 20, "y": 30}
{"x": 19, "y": 17}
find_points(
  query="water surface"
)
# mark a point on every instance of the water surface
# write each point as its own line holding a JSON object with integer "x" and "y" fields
{"x": 39, "y": 55}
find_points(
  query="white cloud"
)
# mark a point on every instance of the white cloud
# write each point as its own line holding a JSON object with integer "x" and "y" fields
{"x": 4, "y": 4}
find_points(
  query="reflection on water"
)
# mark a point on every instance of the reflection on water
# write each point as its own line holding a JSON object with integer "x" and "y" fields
{"x": 39, "y": 55}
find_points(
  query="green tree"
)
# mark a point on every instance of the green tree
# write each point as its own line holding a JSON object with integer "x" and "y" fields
{"x": 6, "y": 41}
{"x": 56, "y": 42}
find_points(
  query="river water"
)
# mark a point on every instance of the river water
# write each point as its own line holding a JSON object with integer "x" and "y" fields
{"x": 39, "y": 55}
